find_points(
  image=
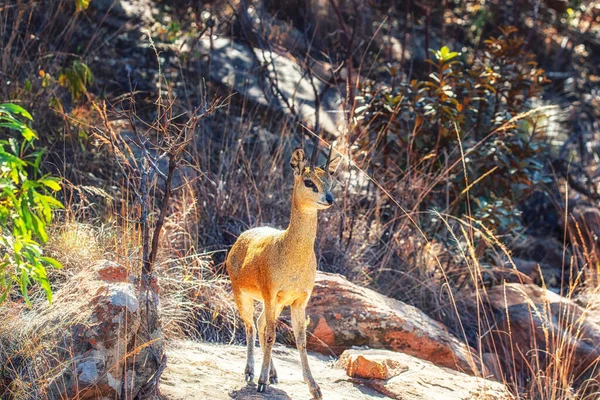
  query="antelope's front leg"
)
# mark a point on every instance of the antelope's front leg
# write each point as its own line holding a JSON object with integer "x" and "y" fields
{"x": 299, "y": 326}
{"x": 269, "y": 335}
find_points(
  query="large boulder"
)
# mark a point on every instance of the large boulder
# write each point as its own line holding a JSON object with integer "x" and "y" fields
{"x": 530, "y": 327}
{"x": 90, "y": 343}
{"x": 544, "y": 259}
{"x": 343, "y": 315}
{"x": 583, "y": 229}
{"x": 239, "y": 68}
{"x": 410, "y": 378}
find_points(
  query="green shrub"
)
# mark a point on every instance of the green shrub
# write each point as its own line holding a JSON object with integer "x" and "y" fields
{"x": 470, "y": 106}
{"x": 26, "y": 204}
{"x": 77, "y": 78}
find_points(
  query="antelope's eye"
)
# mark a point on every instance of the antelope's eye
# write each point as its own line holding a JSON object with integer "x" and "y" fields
{"x": 310, "y": 184}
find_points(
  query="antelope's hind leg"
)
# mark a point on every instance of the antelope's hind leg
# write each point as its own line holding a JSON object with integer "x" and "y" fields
{"x": 270, "y": 314}
{"x": 261, "y": 337}
{"x": 246, "y": 308}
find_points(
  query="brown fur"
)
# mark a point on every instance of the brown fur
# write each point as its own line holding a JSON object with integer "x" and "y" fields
{"x": 278, "y": 268}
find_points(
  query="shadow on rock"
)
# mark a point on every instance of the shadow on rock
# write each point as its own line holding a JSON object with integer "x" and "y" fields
{"x": 249, "y": 393}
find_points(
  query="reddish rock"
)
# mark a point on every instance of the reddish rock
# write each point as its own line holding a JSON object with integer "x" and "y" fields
{"x": 343, "y": 315}
{"x": 416, "y": 379}
{"x": 89, "y": 342}
{"x": 543, "y": 326}
{"x": 371, "y": 364}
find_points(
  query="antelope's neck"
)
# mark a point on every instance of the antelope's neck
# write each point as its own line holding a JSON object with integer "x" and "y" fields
{"x": 302, "y": 231}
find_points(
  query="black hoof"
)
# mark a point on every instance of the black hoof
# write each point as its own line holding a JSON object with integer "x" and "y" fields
{"x": 261, "y": 387}
{"x": 273, "y": 379}
{"x": 317, "y": 393}
{"x": 249, "y": 375}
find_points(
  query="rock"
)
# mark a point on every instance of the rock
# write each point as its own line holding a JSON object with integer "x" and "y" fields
{"x": 234, "y": 65}
{"x": 583, "y": 229}
{"x": 493, "y": 276}
{"x": 370, "y": 364}
{"x": 215, "y": 371}
{"x": 343, "y": 315}
{"x": 89, "y": 342}
{"x": 131, "y": 10}
{"x": 545, "y": 255}
{"x": 518, "y": 270}
{"x": 543, "y": 250}
{"x": 418, "y": 379}
{"x": 543, "y": 326}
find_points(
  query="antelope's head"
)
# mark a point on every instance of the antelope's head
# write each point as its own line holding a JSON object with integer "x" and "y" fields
{"x": 312, "y": 186}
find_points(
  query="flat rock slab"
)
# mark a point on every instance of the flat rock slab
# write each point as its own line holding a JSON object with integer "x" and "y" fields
{"x": 212, "y": 371}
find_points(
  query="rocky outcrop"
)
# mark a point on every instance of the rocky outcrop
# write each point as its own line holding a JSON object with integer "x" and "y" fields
{"x": 89, "y": 343}
{"x": 583, "y": 228}
{"x": 542, "y": 325}
{"x": 211, "y": 371}
{"x": 216, "y": 372}
{"x": 239, "y": 68}
{"x": 404, "y": 377}
{"x": 343, "y": 315}
{"x": 543, "y": 259}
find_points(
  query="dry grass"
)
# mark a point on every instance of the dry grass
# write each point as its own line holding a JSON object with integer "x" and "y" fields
{"x": 375, "y": 236}
{"x": 380, "y": 234}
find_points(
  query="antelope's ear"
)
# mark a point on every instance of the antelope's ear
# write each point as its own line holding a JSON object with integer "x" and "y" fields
{"x": 298, "y": 161}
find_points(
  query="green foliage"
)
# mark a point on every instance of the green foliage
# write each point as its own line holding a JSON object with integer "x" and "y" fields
{"x": 471, "y": 106}
{"x": 81, "y": 5}
{"x": 173, "y": 31}
{"x": 76, "y": 78}
{"x": 26, "y": 204}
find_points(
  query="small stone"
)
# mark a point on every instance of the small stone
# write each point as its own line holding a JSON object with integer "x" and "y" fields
{"x": 371, "y": 365}
{"x": 88, "y": 372}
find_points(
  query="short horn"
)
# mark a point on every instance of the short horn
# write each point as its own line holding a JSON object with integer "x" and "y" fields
{"x": 302, "y": 140}
{"x": 329, "y": 158}
{"x": 313, "y": 158}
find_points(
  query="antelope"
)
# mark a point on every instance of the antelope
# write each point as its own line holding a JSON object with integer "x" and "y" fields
{"x": 278, "y": 268}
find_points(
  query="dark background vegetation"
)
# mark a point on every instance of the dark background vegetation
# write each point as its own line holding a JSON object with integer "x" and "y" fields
{"x": 467, "y": 129}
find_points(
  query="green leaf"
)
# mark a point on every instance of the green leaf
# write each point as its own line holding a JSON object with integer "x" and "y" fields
{"x": 81, "y": 5}
{"x": 39, "y": 228}
{"x": 52, "y": 183}
{"x": 46, "y": 286}
{"x": 28, "y": 134}
{"x": 52, "y": 202}
{"x": 52, "y": 261}
{"x": 24, "y": 283}
{"x": 11, "y": 108}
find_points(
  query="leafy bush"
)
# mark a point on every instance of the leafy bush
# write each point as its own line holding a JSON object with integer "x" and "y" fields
{"x": 76, "y": 78}
{"x": 26, "y": 204}
{"x": 472, "y": 113}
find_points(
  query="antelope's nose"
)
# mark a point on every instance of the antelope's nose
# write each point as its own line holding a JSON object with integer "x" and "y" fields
{"x": 329, "y": 198}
